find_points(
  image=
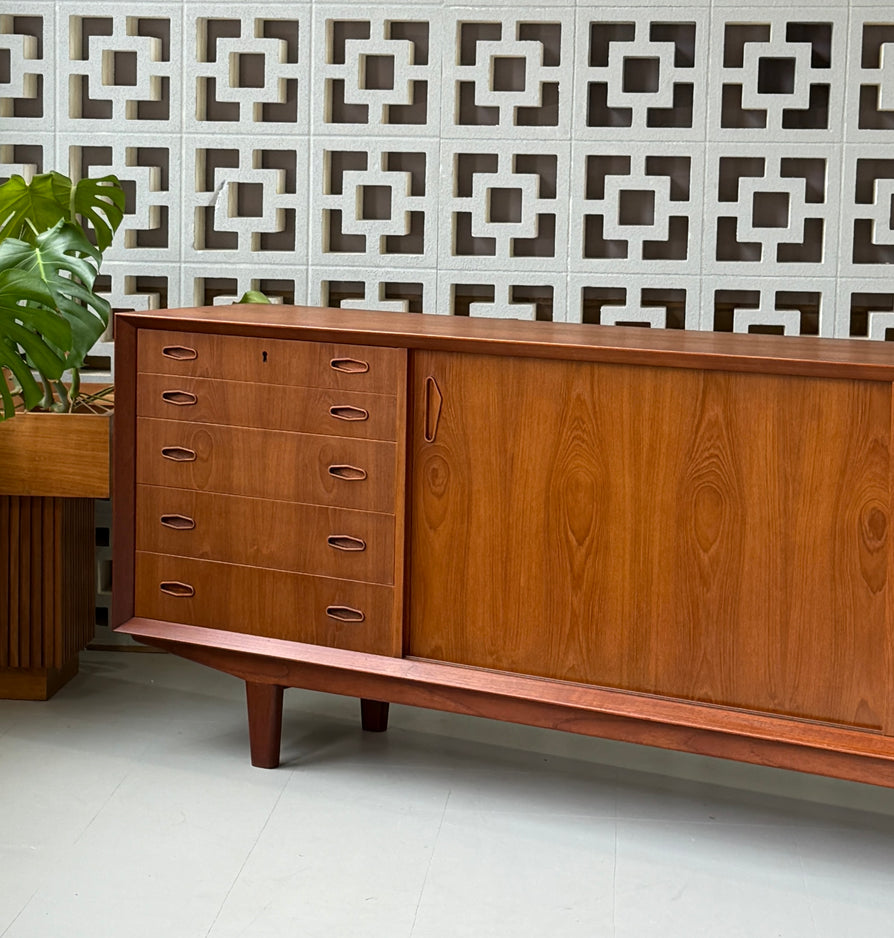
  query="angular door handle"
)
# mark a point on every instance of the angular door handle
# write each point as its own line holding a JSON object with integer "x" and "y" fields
{"x": 180, "y": 398}
{"x": 176, "y": 588}
{"x": 346, "y": 412}
{"x": 181, "y": 353}
{"x": 346, "y": 542}
{"x": 349, "y": 473}
{"x": 345, "y": 614}
{"x": 178, "y": 453}
{"x": 432, "y": 405}
{"x": 178, "y": 522}
{"x": 349, "y": 366}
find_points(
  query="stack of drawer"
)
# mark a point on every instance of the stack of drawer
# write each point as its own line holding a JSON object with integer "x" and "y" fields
{"x": 270, "y": 478}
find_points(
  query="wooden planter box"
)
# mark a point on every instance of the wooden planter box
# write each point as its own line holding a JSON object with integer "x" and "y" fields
{"x": 55, "y": 455}
{"x": 52, "y": 467}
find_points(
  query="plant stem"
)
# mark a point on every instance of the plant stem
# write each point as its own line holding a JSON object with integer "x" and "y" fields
{"x": 64, "y": 405}
{"x": 48, "y": 396}
{"x": 102, "y": 394}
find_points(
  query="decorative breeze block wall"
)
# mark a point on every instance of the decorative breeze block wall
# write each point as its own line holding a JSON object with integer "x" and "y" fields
{"x": 703, "y": 166}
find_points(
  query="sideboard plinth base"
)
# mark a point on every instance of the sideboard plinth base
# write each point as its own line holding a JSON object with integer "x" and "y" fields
{"x": 269, "y": 665}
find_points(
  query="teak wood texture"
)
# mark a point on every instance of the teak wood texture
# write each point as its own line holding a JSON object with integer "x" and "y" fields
{"x": 276, "y": 361}
{"x": 46, "y": 592}
{"x": 258, "y": 601}
{"x": 302, "y": 467}
{"x": 670, "y": 538}
{"x": 270, "y": 407}
{"x": 697, "y": 535}
{"x": 333, "y": 542}
{"x": 55, "y": 455}
{"x": 653, "y": 721}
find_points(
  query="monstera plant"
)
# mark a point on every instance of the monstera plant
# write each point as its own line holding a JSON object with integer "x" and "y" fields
{"x": 53, "y": 233}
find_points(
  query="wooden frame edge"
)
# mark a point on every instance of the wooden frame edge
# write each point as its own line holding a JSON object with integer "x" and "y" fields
{"x": 124, "y": 472}
{"x": 819, "y": 749}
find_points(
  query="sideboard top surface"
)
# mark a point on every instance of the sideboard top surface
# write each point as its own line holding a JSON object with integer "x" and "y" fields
{"x": 767, "y": 354}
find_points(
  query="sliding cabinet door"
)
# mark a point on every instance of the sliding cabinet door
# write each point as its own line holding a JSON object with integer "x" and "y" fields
{"x": 697, "y": 535}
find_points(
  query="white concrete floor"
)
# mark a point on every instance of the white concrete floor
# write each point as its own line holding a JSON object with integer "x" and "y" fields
{"x": 128, "y": 808}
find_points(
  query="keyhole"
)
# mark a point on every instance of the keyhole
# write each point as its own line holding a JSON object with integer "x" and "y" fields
{"x": 264, "y": 357}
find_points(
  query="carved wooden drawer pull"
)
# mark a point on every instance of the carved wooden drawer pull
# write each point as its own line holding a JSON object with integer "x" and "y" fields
{"x": 180, "y": 398}
{"x": 178, "y": 522}
{"x": 345, "y": 614}
{"x": 350, "y": 366}
{"x": 176, "y": 588}
{"x": 345, "y": 412}
{"x": 346, "y": 542}
{"x": 350, "y": 473}
{"x": 179, "y": 352}
{"x": 178, "y": 453}
{"x": 433, "y": 402}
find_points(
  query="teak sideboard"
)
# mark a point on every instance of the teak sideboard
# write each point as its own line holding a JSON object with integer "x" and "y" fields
{"x": 671, "y": 538}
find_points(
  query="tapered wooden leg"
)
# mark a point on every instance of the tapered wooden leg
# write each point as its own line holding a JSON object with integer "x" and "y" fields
{"x": 374, "y": 716}
{"x": 264, "y": 723}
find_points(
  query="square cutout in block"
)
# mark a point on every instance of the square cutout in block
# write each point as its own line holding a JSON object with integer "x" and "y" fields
{"x": 508, "y": 73}
{"x": 770, "y": 210}
{"x": 375, "y": 203}
{"x": 378, "y": 72}
{"x": 504, "y": 205}
{"x": 641, "y": 75}
{"x": 776, "y": 76}
{"x": 636, "y": 207}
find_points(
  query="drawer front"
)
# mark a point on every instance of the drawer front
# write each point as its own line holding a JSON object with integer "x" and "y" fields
{"x": 289, "y": 362}
{"x": 327, "y": 411}
{"x": 291, "y": 606}
{"x": 333, "y": 542}
{"x": 298, "y": 467}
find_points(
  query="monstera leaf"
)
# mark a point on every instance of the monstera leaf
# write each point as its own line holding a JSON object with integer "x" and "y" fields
{"x": 28, "y": 208}
{"x": 50, "y": 316}
{"x": 101, "y": 203}
{"x": 254, "y": 296}
{"x": 65, "y": 264}
{"x": 31, "y": 335}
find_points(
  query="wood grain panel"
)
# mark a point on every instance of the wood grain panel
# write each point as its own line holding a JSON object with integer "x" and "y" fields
{"x": 269, "y": 602}
{"x": 272, "y": 361}
{"x": 77, "y": 560}
{"x": 47, "y": 592}
{"x": 698, "y": 535}
{"x": 676, "y": 348}
{"x": 267, "y": 464}
{"x": 327, "y": 411}
{"x": 783, "y": 742}
{"x": 266, "y": 533}
{"x": 25, "y": 441}
{"x": 124, "y": 436}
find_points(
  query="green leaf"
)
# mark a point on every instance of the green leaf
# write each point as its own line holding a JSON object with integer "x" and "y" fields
{"x": 253, "y": 296}
{"x": 25, "y": 299}
{"x": 29, "y": 208}
{"x": 101, "y": 202}
{"x": 31, "y": 392}
{"x": 63, "y": 262}
{"x": 42, "y": 202}
{"x": 40, "y": 353}
{"x": 50, "y": 316}
{"x": 32, "y": 336}
{"x": 9, "y": 405}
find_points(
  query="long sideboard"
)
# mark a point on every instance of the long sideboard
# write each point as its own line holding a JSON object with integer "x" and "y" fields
{"x": 672, "y": 538}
